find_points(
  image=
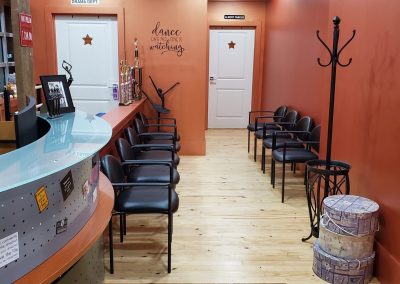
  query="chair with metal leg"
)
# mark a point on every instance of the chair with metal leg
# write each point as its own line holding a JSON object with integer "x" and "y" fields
{"x": 140, "y": 198}
{"x": 297, "y": 155}
{"x": 269, "y": 115}
{"x": 159, "y": 152}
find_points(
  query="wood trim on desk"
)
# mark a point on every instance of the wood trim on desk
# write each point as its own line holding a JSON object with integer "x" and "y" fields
{"x": 119, "y": 118}
{"x": 77, "y": 247}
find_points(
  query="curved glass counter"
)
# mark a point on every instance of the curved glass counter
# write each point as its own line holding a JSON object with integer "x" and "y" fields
{"x": 71, "y": 139}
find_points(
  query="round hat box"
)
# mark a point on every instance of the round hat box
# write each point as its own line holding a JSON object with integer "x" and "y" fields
{"x": 344, "y": 246}
{"x": 338, "y": 270}
{"x": 350, "y": 215}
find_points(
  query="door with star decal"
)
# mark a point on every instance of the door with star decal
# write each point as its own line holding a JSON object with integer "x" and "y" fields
{"x": 90, "y": 45}
{"x": 231, "y": 58}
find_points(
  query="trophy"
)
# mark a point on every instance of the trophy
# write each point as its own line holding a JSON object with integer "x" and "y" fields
{"x": 136, "y": 62}
{"x": 124, "y": 84}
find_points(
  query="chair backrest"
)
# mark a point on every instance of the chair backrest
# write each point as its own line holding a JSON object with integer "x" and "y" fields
{"x": 144, "y": 120}
{"x": 304, "y": 124}
{"x": 139, "y": 127}
{"x": 112, "y": 168}
{"x": 280, "y": 111}
{"x": 292, "y": 117}
{"x": 315, "y": 137}
{"x": 131, "y": 136}
{"x": 124, "y": 150}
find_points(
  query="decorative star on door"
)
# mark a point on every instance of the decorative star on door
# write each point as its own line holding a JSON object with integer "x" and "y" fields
{"x": 231, "y": 45}
{"x": 87, "y": 40}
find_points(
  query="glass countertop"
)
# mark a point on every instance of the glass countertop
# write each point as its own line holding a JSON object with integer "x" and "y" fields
{"x": 71, "y": 139}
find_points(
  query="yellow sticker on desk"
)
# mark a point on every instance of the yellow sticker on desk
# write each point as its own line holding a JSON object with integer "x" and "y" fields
{"x": 41, "y": 199}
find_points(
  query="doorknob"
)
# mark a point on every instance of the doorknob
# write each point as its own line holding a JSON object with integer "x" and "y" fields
{"x": 212, "y": 78}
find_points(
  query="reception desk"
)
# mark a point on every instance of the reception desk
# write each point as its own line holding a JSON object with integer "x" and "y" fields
{"x": 52, "y": 207}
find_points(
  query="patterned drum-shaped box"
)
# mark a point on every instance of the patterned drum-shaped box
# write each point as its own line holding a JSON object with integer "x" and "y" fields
{"x": 350, "y": 215}
{"x": 344, "y": 246}
{"x": 344, "y": 271}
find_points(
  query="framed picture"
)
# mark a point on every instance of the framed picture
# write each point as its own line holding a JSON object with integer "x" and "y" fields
{"x": 55, "y": 86}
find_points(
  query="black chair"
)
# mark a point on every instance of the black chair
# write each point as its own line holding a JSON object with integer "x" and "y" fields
{"x": 278, "y": 139}
{"x": 157, "y": 124}
{"x": 144, "y": 173}
{"x": 139, "y": 198}
{"x": 155, "y": 137}
{"x": 286, "y": 123}
{"x": 276, "y": 115}
{"x": 161, "y": 152}
{"x": 297, "y": 155}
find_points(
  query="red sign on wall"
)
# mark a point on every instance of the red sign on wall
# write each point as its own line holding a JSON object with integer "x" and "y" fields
{"x": 25, "y": 29}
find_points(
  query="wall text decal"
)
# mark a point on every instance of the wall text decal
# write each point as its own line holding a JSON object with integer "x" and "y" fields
{"x": 166, "y": 40}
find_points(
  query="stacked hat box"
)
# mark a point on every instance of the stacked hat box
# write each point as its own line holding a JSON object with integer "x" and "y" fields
{"x": 344, "y": 251}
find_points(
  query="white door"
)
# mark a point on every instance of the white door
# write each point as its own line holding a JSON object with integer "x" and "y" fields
{"x": 90, "y": 45}
{"x": 231, "y": 77}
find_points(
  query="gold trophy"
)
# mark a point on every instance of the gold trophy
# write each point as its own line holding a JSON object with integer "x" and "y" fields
{"x": 136, "y": 62}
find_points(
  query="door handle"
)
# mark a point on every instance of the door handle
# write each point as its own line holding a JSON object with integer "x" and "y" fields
{"x": 212, "y": 78}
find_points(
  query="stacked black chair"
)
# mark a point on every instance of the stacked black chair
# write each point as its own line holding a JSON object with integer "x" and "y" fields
{"x": 155, "y": 137}
{"x": 158, "y": 124}
{"x": 279, "y": 138}
{"x": 255, "y": 122}
{"x": 286, "y": 123}
{"x": 144, "y": 173}
{"x": 288, "y": 154}
{"x": 161, "y": 152}
{"x": 140, "y": 197}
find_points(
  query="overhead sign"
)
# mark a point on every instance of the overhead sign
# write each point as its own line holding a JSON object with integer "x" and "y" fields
{"x": 25, "y": 29}
{"x": 234, "y": 17}
{"x": 85, "y": 2}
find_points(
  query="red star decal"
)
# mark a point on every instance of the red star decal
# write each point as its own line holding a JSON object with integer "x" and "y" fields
{"x": 231, "y": 45}
{"x": 87, "y": 39}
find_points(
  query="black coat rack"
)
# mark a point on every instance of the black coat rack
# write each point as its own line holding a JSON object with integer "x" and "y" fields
{"x": 332, "y": 175}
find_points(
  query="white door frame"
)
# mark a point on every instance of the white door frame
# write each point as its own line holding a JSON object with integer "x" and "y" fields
{"x": 230, "y": 98}
{"x": 259, "y": 26}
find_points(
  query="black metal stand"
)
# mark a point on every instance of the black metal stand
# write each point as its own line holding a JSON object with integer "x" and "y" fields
{"x": 332, "y": 176}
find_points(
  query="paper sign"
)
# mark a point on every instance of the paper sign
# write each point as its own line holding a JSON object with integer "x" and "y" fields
{"x": 85, "y": 189}
{"x": 85, "y": 2}
{"x": 9, "y": 249}
{"x": 41, "y": 199}
{"x": 67, "y": 185}
{"x": 61, "y": 226}
{"x": 25, "y": 29}
{"x": 94, "y": 194}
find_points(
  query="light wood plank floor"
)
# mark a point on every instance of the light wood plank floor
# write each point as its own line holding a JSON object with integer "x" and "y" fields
{"x": 231, "y": 226}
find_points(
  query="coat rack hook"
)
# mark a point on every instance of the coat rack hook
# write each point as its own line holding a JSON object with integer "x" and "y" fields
{"x": 344, "y": 46}
{"x": 327, "y": 48}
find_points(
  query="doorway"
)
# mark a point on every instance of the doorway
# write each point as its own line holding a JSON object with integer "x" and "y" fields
{"x": 231, "y": 58}
{"x": 90, "y": 45}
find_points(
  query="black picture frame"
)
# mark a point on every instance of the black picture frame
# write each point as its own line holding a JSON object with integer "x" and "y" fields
{"x": 52, "y": 84}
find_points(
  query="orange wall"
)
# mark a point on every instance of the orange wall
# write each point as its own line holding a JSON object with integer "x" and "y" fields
{"x": 187, "y": 101}
{"x": 366, "y": 126}
{"x": 291, "y": 74}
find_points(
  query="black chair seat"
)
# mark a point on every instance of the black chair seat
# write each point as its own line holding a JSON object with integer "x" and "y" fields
{"x": 280, "y": 142}
{"x": 252, "y": 126}
{"x": 269, "y": 132}
{"x": 146, "y": 199}
{"x": 156, "y": 136}
{"x": 161, "y": 141}
{"x": 153, "y": 173}
{"x": 158, "y": 155}
{"x": 294, "y": 155}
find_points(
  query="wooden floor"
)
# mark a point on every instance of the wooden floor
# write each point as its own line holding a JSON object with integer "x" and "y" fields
{"x": 231, "y": 226}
